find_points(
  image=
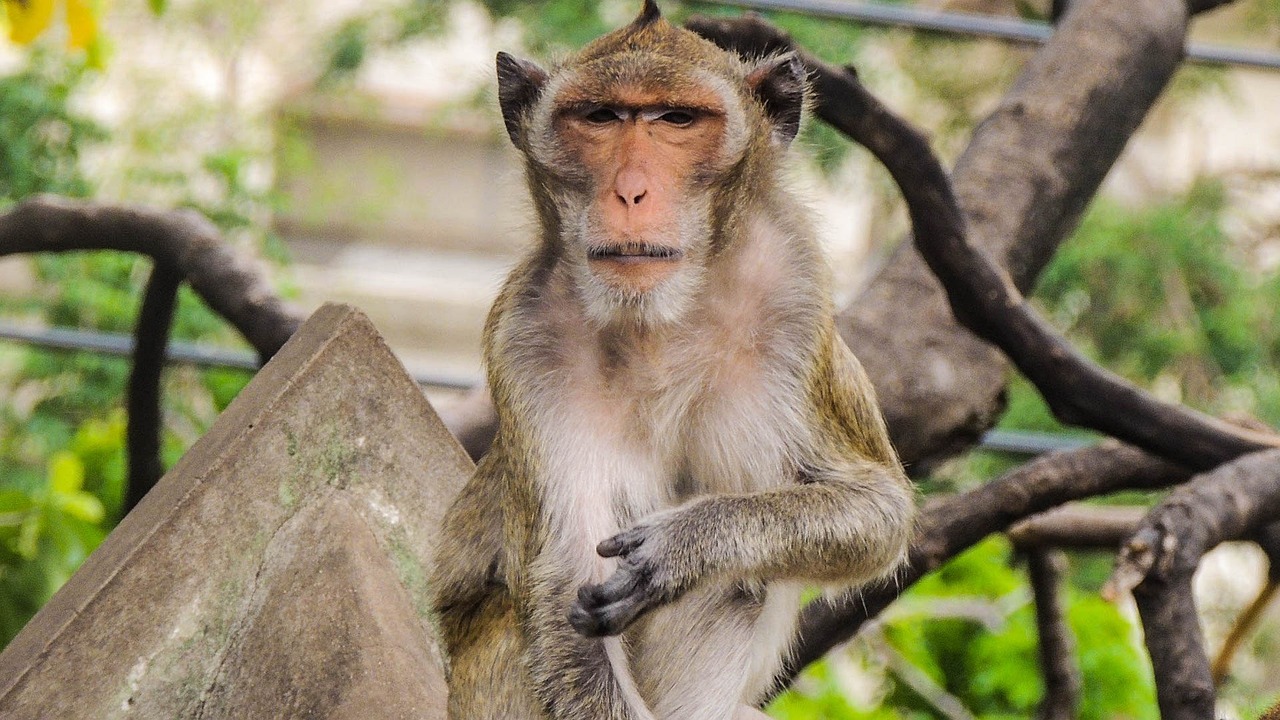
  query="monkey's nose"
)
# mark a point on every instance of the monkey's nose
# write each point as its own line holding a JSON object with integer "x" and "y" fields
{"x": 631, "y": 186}
{"x": 626, "y": 200}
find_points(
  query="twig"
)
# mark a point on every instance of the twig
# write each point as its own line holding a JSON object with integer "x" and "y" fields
{"x": 1241, "y": 630}
{"x": 142, "y": 435}
{"x": 1269, "y": 540}
{"x": 1062, "y": 679}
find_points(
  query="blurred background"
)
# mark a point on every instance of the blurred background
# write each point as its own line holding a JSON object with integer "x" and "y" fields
{"x": 355, "y": 149}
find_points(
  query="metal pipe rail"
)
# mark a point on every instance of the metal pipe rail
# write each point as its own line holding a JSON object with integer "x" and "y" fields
{"x": 185, "y": 353}
{"x": 1014, "y": 442}
{"x": 982, "y": 26}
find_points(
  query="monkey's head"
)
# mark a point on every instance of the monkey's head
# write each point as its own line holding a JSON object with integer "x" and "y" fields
{"x": 642, "y": 151}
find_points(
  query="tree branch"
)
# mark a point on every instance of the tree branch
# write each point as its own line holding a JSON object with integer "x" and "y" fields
{"x": 1046, "y": 148}
{"x": 1158, "y": 561}
{"x": 948, "y": 527}
{"x": 227, "y": 281}
{"x": 151, "y": 340}
{"x": 1081, "y": 527}
{"x": 1062, "y": 679}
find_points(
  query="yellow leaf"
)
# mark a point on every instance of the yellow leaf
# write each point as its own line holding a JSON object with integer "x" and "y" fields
{"x": 66, "y": 472}
{"x": 84, "y": 506}
{"x": 82, "y": 24}
{"x": 28, "y": 18}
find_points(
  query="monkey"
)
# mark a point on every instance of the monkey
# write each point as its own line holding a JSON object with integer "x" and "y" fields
{"x": 685, "y": 444}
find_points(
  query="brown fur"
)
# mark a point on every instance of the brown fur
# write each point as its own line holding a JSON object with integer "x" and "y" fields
{"x": 707, "y": 428}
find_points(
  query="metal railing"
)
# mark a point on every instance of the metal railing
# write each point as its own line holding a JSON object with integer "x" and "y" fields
{"x": 982, "y": 26}
{"x": 183, "y": 353}
{"x": 1014, "y": 442}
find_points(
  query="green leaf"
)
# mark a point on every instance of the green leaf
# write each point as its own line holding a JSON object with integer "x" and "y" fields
{"x": 158, "y": 6}
{"x": 82, "y": 506}
{"x": 15, "y": 505}
{"x": 66, "y": 472}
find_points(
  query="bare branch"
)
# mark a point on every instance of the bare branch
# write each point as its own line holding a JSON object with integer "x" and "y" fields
{"x": 1078, "y": 526}
{"x": 227, "y": 281}
{"x": 1062, "y": 680}
{"x": 949, "y": 527}
{"x": 1157, "y": 564}
{"x": 142, "y": 436}
{"x": 1029, "y": 171}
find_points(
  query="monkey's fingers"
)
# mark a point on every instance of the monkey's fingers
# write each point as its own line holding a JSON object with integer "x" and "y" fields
{"x": 608, "y": 608}
{"x": 622, "y": 543}
{"x": 603, "y": 620}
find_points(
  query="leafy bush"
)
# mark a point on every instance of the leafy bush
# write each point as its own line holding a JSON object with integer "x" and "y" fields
{"x": 62, "y": 468}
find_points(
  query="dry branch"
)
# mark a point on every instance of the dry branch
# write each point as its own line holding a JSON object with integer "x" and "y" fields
{"x": 985, "y": 299}
{"x": 228, "y": 282}
{"x": 1157, "y": 563}
{"x": 949, "y": 527}
{"x": 1081, "y": 527}
{"x": 1062, "y": 679}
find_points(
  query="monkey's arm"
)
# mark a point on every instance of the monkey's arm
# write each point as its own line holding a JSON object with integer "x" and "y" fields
{"x": 847, "y": 520}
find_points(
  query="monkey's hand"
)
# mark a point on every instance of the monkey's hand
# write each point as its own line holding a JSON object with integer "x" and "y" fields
{"x": 643, "y": 580}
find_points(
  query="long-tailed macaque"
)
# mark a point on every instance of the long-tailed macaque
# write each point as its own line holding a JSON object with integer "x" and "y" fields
{"x": 684, "y": 441}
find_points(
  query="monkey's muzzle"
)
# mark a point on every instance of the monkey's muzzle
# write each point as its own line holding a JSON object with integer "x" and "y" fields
{"x": 634, "y": 253}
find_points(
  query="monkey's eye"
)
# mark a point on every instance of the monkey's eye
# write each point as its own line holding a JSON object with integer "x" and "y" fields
{"x": 601, "y": 116}
{"x": 679, "y": 118}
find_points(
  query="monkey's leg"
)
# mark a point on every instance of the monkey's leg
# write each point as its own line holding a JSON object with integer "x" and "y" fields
{"x": 845, "y": 525}
{"x": 692, "y": 658}
{"x": 487, "y": 678}
{"x": 715, "y": 650}
{"x": 574, "y": 677}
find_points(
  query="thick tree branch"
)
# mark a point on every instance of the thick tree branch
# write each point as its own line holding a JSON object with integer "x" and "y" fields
{"x": 227, "y": 281}
{"x": 1158, "y": 561}
{"x": 1029, "y": 171}
{"x": 950, "y": 526}
{"x": 985, "y": 299}
{"x": 151, "y": 340}
{"x": 1062, "y": 679}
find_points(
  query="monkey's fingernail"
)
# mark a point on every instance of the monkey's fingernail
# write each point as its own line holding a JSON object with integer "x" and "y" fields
{"x": 609, "y": 548}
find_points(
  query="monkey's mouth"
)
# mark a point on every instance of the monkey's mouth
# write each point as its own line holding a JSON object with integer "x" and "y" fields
{"x": 629, "y": 253}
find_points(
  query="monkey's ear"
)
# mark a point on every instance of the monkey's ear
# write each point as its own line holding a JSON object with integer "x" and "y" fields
{"x": 779, "y": 84}
{"x": 520, "y": 83}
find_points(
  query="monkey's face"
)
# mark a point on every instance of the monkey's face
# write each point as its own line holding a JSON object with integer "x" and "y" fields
{"x": 645, "y": 159}
{"x": 637, "y": 150}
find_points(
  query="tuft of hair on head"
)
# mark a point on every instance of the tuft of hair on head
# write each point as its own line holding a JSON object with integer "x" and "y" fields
{"x": 650, "y": 14}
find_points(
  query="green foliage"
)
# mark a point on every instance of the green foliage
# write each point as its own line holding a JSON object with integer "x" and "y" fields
{"x": 1163, "y": 296}
{"x": 62, "y": 467}
{"x": 40, "y": 136}
{"x": 985, "y": 653}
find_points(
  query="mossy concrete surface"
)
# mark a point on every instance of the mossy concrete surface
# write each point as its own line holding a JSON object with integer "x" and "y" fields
{"x": 277, "y": 571}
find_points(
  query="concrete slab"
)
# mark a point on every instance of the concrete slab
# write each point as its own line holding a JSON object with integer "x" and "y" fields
{"x": 277, "y": 571}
